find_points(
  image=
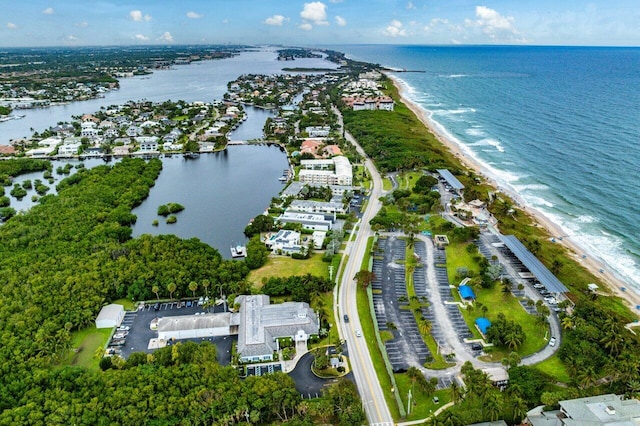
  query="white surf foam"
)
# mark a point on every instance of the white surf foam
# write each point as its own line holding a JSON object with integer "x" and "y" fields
{"x": 474, "y": 131}
{"x": 490, "y": 142}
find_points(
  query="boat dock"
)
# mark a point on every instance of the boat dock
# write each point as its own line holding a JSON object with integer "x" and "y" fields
{"x": 238, "y": 251}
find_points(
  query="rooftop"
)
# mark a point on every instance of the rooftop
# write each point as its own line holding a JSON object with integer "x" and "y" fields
{"x": 532, "y": 263}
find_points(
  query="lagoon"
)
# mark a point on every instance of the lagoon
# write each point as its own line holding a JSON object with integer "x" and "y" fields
{"x": 221, "y": 192}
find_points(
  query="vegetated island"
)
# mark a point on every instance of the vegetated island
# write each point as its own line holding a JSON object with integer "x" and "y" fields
{"x": 169, "y": 208}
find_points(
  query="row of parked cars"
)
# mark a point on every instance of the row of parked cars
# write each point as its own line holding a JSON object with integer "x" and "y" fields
{"x": 118, "y": 340}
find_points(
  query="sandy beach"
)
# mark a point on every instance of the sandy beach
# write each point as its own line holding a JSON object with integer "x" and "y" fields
{"x": 615, "y": 284}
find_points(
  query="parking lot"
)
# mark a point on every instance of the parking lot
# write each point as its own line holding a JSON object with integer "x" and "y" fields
{"x": 139, "y": 333}
{"x": 407, "y": 348}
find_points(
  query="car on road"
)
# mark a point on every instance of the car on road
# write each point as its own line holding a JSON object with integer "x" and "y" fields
{"x": 552, "y": 341}
{"x": 346, "y": 318}
{"x": 358, "y": 334}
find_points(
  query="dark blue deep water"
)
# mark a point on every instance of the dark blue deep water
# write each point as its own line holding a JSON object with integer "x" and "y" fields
{"x": 559, "y": 126}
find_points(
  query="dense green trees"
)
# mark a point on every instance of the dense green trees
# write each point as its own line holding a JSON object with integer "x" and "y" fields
{"x": 300, "y": 287}
{"x": 257, "y": 253}
{"x": 261, "y": 223}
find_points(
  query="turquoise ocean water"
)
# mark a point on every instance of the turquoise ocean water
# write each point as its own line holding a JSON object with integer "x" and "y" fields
{"x": 560, "y": 126}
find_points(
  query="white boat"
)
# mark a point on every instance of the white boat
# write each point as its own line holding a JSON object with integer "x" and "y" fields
{"x": 239, "y": 251}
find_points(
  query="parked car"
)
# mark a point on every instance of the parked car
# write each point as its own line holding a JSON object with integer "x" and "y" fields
{"x": 123, "y": 328}
{"x": 201, "y": 301}
{"x": 552, "y": 341}
{"x": 156, "y": 307}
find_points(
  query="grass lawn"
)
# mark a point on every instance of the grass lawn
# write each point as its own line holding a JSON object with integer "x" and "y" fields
{"x": 128, "y": 304}
{"x": 325, "y": 302}
{"x": 85, "y": 344}
{"x": 407, "y": 180}
{"x": 510, "y": 307}
{"x": 554, "y": 368}
{"x": 386, "y": 184}
{"x": 284, "y": 266}
{"x": 423, "y": 405}
{"x": 458, "y": 257}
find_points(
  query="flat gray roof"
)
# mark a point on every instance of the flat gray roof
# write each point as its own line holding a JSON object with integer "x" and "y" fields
{"x": 451, "y": 179}
{"x": 532, "y": 263}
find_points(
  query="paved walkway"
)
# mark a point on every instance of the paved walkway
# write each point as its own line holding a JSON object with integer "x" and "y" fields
{"x": 301, "y": 350}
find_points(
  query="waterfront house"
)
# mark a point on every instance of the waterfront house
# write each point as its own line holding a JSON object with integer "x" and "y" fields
{"x": 284, "y": 242}
{"x": 147, "y": 143}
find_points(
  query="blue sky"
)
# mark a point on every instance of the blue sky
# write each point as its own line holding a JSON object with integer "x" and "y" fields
{"x": 292, "y": 22}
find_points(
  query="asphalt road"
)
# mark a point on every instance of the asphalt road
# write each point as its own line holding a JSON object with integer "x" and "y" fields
{"x": 364, "y": 373}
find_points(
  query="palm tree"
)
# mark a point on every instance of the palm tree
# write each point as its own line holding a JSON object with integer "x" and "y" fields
{"x": 493, "y": 405}
{"x": 156, "y": 290}
{"x": 587, "y": 377}
{"x": 513, "y": 339}
{"x": 193, "y": 286}
{"x": 567, "y": 322}
{"x": 519, "y": 408}
{"x": 206, "y": 284}
{"x": 456, "y": 392}
{"x": 425, "y": 326}
{"x": 171, "y": 287}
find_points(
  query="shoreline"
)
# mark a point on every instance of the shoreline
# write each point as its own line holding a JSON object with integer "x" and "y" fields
{"x": 614, "y": 283}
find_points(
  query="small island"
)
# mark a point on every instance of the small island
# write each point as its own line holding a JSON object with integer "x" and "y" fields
{"x": 170, "y": 208}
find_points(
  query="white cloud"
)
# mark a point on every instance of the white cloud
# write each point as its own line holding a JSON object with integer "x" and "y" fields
{"x": 140, "y": 37}
{"x": 336, "y": 1}
{"x": 49, "y": 11}
{"x": 82, "y": 24}
{"x": 137, "y": 16}
{"x": 410, "y": 6}
{"x": 225, "y": 21}
{"x": 316, "y": 12}
{"x": 306, "y": 26}
{"x": 493, "y": 23}
{"x": 395, "y": 29}
{"x": 193, "y": 15}
{"x": 276, "y": 20}
{"x": 11, "y": 25}
{"x": 166, "y": 36}
{"x": 72, "y": 38}
{"x": 436, "y": 22}
{"x": 341, "y": 21}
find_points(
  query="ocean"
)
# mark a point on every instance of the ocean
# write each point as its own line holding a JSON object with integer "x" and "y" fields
{"x": 559, "y": 126}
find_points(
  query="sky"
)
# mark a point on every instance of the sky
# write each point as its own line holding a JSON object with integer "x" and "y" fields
{"x": 322, "y": 22}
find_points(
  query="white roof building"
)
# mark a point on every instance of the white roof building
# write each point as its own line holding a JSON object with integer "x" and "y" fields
{"x": 110, "y": 316}
{"x": 261, "y": 324}
{"x": 593, "y": 411}
{"x": 311, "y": 206}
{"x": 334, "y": 171}
{"x": 284, "y": 242}
{"x": 195, "y": 326}
{"x": 312, "y": 221}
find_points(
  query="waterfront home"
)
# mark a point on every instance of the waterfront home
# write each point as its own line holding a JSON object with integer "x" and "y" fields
{"x": 122, "y": 150}
{"x": 319, "y": 171}
{"x": 311, "y": 206}
{"x": 7, "y": 150}
{"x": 284, "y": 242}
{"x": 147, "y": 143}
{"x": 310, "y": 221}
{"x": 69, "y": 148}
{"x": 170, "y": 146}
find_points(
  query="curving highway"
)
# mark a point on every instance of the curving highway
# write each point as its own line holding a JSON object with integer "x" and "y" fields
{"x": 365, "y": 375}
